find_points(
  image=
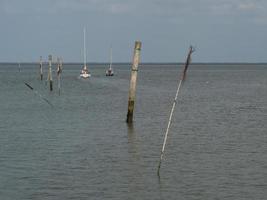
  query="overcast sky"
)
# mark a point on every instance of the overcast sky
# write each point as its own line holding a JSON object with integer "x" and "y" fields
{"x": 221, "y": 30}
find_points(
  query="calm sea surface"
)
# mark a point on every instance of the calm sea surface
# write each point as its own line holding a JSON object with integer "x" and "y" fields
{"x": 82, "y": 148}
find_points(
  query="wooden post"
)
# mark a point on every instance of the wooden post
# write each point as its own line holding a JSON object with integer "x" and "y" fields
{"x": 59, "y": 71}
{"x": 136, "y": 59}
{"x": 50, "y": 73}
{"x": 41, "y": 68}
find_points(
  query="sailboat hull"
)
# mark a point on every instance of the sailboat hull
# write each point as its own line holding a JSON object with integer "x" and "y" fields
{"x": 109, "y": 73}
{"x": 85, "y": 75}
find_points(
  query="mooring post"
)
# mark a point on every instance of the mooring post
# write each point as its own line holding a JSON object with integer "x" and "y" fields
{"x": 59, "y": 71}
{"x": 50, "y": 73}
{"x": 41, "y": 68}
{"x": 136, "y": 59}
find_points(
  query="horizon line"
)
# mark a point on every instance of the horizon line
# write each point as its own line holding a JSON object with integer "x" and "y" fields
{"x": 36, "y": 62}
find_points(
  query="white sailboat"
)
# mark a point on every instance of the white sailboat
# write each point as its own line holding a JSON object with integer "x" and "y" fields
{"x": 84, "y": 72}
{"x": 110, "y": 72}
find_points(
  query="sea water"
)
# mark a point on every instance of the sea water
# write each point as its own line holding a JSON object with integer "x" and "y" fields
{"x": 82, "y": 148}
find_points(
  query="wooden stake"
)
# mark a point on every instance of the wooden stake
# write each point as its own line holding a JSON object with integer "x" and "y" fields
{"x": 136, "y": 59}
{"x": 191, "y": 50}
{"x": 50, "y": 73}
{"x": 41, "y": 68}
{"x": 59, "y": 71}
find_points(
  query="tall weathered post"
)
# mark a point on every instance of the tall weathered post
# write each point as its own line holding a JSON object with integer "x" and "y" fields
{"x": 41, "y": 68}
{"x": 136, "y": 59}
{"x": 50, "y": 73}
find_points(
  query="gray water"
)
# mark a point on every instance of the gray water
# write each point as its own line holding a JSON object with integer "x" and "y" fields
{"x": 83, "y": 149}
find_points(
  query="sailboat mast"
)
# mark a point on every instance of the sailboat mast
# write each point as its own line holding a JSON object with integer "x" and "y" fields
{"x": 84, "y": 47}
{"x": 110, "y": 58}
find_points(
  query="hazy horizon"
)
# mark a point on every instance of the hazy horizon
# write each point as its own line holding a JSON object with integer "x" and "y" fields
{"x": 222, "y": 31}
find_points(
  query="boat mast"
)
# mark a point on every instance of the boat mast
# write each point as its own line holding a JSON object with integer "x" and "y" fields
{"x": 110, "y": 58}
{"x": 84, "y": 48}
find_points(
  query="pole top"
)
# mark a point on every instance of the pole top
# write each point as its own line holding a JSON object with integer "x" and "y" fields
{"x": 138, "y": 45}
{"x": 50, "y": 57}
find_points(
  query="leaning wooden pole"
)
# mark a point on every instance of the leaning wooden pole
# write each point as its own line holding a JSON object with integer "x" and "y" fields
{"x": 191, "y": 50}
{"x": 136, "y": 60}
{"x": 37, "y": 93}
{"x": 41, "y": 68}
{"x": 50, "y": 73}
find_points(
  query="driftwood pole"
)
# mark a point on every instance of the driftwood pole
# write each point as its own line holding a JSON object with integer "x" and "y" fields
{"x": 188, "y": 60}
{"x": 136, "y": 59}
{"x": 41, "y": 68}
{"x": 50, "y": 73}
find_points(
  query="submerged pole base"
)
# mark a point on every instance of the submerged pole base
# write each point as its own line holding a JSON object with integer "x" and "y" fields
{"x": 161, "y": 156}
{"x": 51, "y": 86}
{"x": 130, "y": 111}
{"x": 159, "y": 169}
{"x": 129, "y": 119}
